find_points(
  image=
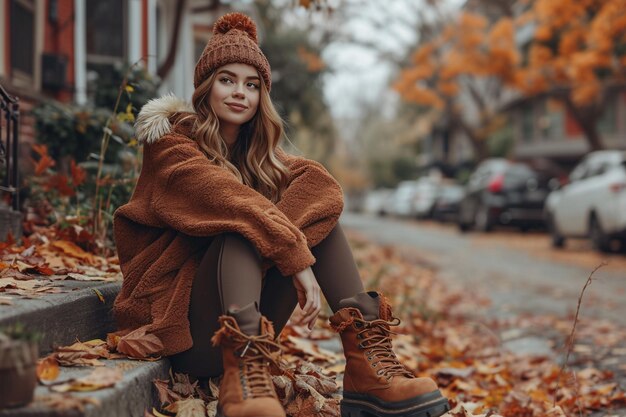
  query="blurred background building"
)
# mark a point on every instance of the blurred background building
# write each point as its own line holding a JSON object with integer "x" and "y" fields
{"x": 62, "y": 49}
{"x": 537, "y": 126}
{"x": 338, "y": 77}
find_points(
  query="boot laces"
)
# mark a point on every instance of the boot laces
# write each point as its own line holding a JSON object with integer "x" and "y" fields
{"x": 256, "y": 353}
{"x": 375, "y": 339}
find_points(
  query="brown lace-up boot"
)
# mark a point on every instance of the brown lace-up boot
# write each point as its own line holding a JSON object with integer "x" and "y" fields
{"x": 248, "y": 349}
{"x": 375, "y": 382}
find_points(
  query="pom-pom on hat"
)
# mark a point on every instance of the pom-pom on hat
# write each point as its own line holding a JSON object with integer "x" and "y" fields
{"x": 234, "y": 40}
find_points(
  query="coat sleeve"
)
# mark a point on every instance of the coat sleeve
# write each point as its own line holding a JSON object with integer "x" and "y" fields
{"x": 313, "y": 200}
{"x": 199, "y": 198}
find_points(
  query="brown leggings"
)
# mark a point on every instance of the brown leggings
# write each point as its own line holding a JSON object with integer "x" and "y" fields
{"x": 229, "y": 276}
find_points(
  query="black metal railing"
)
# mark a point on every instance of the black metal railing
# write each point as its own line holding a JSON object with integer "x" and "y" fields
{"x": 9, "y": 140}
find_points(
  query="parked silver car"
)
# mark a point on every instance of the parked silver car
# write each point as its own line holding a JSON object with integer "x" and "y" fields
{"x": 593, "y": 202}
{"x": 378, "y": 201}
{"x": 402, "y": 200}
{"x": 426, "y": 192}
{"x": 415, "y": 198}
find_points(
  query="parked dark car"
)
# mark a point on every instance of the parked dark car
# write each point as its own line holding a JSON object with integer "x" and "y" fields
{"x": 501, "y": 192}
{"x": 446, "y": 206}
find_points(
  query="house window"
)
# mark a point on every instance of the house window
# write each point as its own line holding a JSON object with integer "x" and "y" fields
{"x": 22, "y": 37}
{"x": 106, "y": 31}
{"x": 555, "y": 120}
{"x": 607, "y": 124}
{"x": 528, "y": 123}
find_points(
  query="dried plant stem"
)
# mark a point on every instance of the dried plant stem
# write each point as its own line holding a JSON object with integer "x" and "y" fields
{"x": 106, "y": 135}
{"x": 570, "y": 340}
{"x": 577, "y": 392}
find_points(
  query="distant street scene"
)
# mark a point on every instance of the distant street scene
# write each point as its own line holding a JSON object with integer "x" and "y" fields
{"x": 519, "y": 272}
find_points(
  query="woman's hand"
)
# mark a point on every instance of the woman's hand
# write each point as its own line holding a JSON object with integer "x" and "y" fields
{"x": 308, "y": 296}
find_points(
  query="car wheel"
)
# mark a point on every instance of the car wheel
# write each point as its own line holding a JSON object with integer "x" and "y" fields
{"x": 463, "y": 219}
{"x": 599, "y": 240}
{"x": 464, "y": 227}
{"x": 558, "y": 241}
{"x": 623, "y": 245}
{"x": 483, "y": 219}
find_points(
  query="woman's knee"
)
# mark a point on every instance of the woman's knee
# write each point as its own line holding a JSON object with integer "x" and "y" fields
{"x": 238, "y": 244}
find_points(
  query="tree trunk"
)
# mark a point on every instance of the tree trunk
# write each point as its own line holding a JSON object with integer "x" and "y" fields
{"x": 479, "y": 143}
{"x": 587, "y": 118}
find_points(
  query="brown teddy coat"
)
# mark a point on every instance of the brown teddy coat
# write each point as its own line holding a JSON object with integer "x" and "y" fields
{"x": 180, "y": 202}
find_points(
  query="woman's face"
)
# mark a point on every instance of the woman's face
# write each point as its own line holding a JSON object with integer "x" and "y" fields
{"x": 235, "y": 94}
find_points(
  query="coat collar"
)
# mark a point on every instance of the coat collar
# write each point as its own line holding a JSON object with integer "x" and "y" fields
{"x": 156, "y": 117}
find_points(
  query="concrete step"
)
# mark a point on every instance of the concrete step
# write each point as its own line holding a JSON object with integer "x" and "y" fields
{"x": 128, "y": 398}
{"x": 61, "y": 318}
{"x": 79, "y": 313}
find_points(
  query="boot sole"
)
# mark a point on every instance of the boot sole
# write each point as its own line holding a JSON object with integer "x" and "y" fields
{"x": 432, "y": 404}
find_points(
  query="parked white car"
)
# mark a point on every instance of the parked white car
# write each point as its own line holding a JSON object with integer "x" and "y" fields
{"x": 402, "y": 200}
{"x": 415, "y": 198}
{"x": 426, "y": 192}
{"x": 593, "y": 203}
{"x": 378, "y": 201}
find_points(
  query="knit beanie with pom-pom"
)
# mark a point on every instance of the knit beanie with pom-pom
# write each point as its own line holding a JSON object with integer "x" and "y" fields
{"x": 234, "y": 40}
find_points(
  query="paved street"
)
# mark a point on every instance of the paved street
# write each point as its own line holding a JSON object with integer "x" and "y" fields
{"x": 518, "y": 272}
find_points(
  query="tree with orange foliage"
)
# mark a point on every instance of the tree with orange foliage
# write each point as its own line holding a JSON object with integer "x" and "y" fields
{"x": 577, "y": 55}
{"x": 462, "y": 72}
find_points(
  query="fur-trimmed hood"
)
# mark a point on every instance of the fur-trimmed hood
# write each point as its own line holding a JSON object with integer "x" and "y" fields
{"x": 154, "y": 119}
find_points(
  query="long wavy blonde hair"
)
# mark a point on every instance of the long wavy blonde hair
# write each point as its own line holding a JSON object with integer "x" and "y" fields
{"x": 252, "y": 158}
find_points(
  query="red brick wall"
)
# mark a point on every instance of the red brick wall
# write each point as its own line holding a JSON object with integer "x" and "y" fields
{"x": 27, "y": 135}
{"x": 59, "y": 39}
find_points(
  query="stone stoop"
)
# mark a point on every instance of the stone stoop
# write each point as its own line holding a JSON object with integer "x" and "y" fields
{"x": 128, "y": 398}
{"x": 79, "y": 314}
{"x": 76, "y": 313}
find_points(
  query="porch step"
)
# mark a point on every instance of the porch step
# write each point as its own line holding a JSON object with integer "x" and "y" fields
{"x": 128, "y": 398}
{"x": 61, "y": 318}
{"x": 79, "y": 313}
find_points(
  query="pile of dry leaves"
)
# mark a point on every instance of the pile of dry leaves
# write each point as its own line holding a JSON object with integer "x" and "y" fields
{"x": 49, "y": 255}
{"x": 441, "y": 336}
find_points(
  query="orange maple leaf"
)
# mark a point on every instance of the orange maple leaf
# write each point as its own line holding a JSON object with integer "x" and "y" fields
{"x": 43, "y": 164}
{"x": 70, "y": 248}
{"x": 40, "y": 149}
{"x": 48, "y": 369}
{"x": 60, "y": 183}
{"x": 78, "y": 173}
{"x": 139, "y": 344}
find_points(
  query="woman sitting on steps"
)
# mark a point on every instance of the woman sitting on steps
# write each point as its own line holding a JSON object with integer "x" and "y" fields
{"x": 226, "y": 233}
